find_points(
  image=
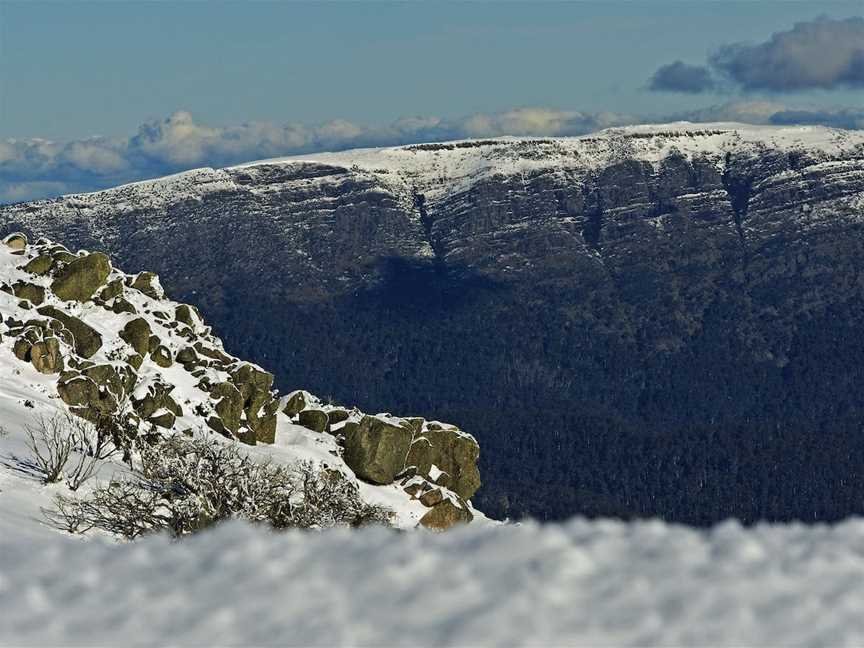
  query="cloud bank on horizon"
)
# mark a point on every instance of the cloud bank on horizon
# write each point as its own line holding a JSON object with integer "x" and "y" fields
{"x": 822, "y": 54}
{"x": 39, "y": 168}
{"x": 36, "y": 168}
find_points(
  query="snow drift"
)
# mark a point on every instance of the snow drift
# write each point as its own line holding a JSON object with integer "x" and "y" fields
{"x": 581, "y": 583}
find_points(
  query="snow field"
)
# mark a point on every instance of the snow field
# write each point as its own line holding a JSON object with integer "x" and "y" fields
{"x": 582, "y": 583}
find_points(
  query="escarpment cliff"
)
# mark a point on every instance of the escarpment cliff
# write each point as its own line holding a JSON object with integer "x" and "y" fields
{"x": 649, "y": 320}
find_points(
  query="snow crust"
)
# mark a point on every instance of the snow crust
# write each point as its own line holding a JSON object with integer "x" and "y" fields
{"x": 578, "y": 584}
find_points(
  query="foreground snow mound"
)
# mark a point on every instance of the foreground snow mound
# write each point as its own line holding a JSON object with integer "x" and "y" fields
{"x": 583, "y": 583}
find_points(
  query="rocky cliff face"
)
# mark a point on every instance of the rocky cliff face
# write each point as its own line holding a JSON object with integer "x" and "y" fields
{"x": 637, "y": 322}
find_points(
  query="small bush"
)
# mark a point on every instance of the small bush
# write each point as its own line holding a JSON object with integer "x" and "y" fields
{"x": 65, "y": 447}
{"x": 184, "y": 485}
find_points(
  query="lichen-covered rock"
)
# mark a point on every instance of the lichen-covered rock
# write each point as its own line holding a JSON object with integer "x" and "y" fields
{"x": 86, "y": 340}
{"x": 16, "y": 242}
{"x": 21, "y": 348}
{"x": 456, "y": 453}
{"x": 161, "y": 355}
{"x": 31, "y": 292}
{"x": 81, "y": 278}
{"x": 315, "y": 420}
{"x": 337, "y": 415}
{"x": 262, "y": 420}
{"x": 229, "y": 405}
{"x": 259, "y": 406}
{"x": 46, "y": 356}
{"x": 61, "y": 257}
{"x": 420, "y": 455}
{"x": 136, "y": 334}
{"x": 296, "y": 401}
{"x": 135, "y": 361}
{"x": 375, "y": 450}
{"x": 187, "y": 314}
{"x": 84, "y": 397}
{"x": 212, "y": 352}
{"x": 111, "y": 290}
{"x": 39, "y": 265}
{"x": 446, "y": 514}
{"x": 123, "y": 305}
{"x": 157, "y": 396}
{"x": 188, "y": 357}
{"x": 252, "y": 382}
{"x": 265, "y": 426}
{"x": 163, "y": 418}
{"x": 148, "y": 283}
{"x": 108, "y": 377}
{"x": 431, "y": 497}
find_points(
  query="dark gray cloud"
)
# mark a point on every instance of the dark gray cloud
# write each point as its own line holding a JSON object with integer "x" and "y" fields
{"x": 823, "y": 53}
{"x": 775, "y": 113}
{"x": 820, "y": 54}
{"x": 746, "y": 112}
{"x": 850, "y": 119}
{"x": 681, "y": 77}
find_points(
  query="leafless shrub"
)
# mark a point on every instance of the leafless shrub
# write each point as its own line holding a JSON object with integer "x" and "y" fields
{"x": 66, "y": 447}
{"x": 68, "y": 515}
{"x": 184, "y": 485}
{"x": 50, "y": 445}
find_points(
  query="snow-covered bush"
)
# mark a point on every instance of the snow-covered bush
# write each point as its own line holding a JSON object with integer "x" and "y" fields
{"x": 182, "y": 485}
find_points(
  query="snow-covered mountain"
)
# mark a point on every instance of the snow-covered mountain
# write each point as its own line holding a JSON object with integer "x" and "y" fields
{"x": 659, "y": 320}
{"x": 665, "y": 291}
{"x": 80, "y": 336}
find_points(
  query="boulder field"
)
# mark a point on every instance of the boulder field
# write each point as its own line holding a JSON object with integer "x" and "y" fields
{"x": 125, "y": 355}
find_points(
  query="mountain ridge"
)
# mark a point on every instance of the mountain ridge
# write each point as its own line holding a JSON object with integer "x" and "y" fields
{"x": 667, "y": 285}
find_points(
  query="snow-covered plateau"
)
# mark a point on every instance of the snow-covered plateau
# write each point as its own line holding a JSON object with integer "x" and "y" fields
{"x": 577, "y": 584}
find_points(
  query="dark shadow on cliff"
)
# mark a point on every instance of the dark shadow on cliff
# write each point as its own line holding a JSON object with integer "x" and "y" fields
{"x": 426, "y": 286}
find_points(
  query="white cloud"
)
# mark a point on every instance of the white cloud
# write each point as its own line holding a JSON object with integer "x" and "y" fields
{"x": 748, "y": 112}
{"x": 36, "y": 168}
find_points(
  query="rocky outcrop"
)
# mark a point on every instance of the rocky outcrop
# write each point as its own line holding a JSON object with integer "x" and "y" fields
{"x": 380, "y": 448}
{"x": 84, "y": 338}
{"x": 376, "y": 448}
{"x": 446, "y": 514}
{"x": 16, "y": 242}
{"x": 46, "y": 355}
{"x": 449, "y": 451}
{"x": 79, "y": 279}
{"x": 137, "y": 334}
{"x": 434, "y": 463}
{"x": 100, "y": 379}
{"x": 151, "y": 369}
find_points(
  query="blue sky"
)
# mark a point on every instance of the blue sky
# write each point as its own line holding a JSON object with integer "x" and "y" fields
{"x": 73, "y": 70}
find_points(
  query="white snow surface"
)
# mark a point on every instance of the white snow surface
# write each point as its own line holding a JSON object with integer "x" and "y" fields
{"x": 442, "y": 169}
{"x": 578, "y": 584}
